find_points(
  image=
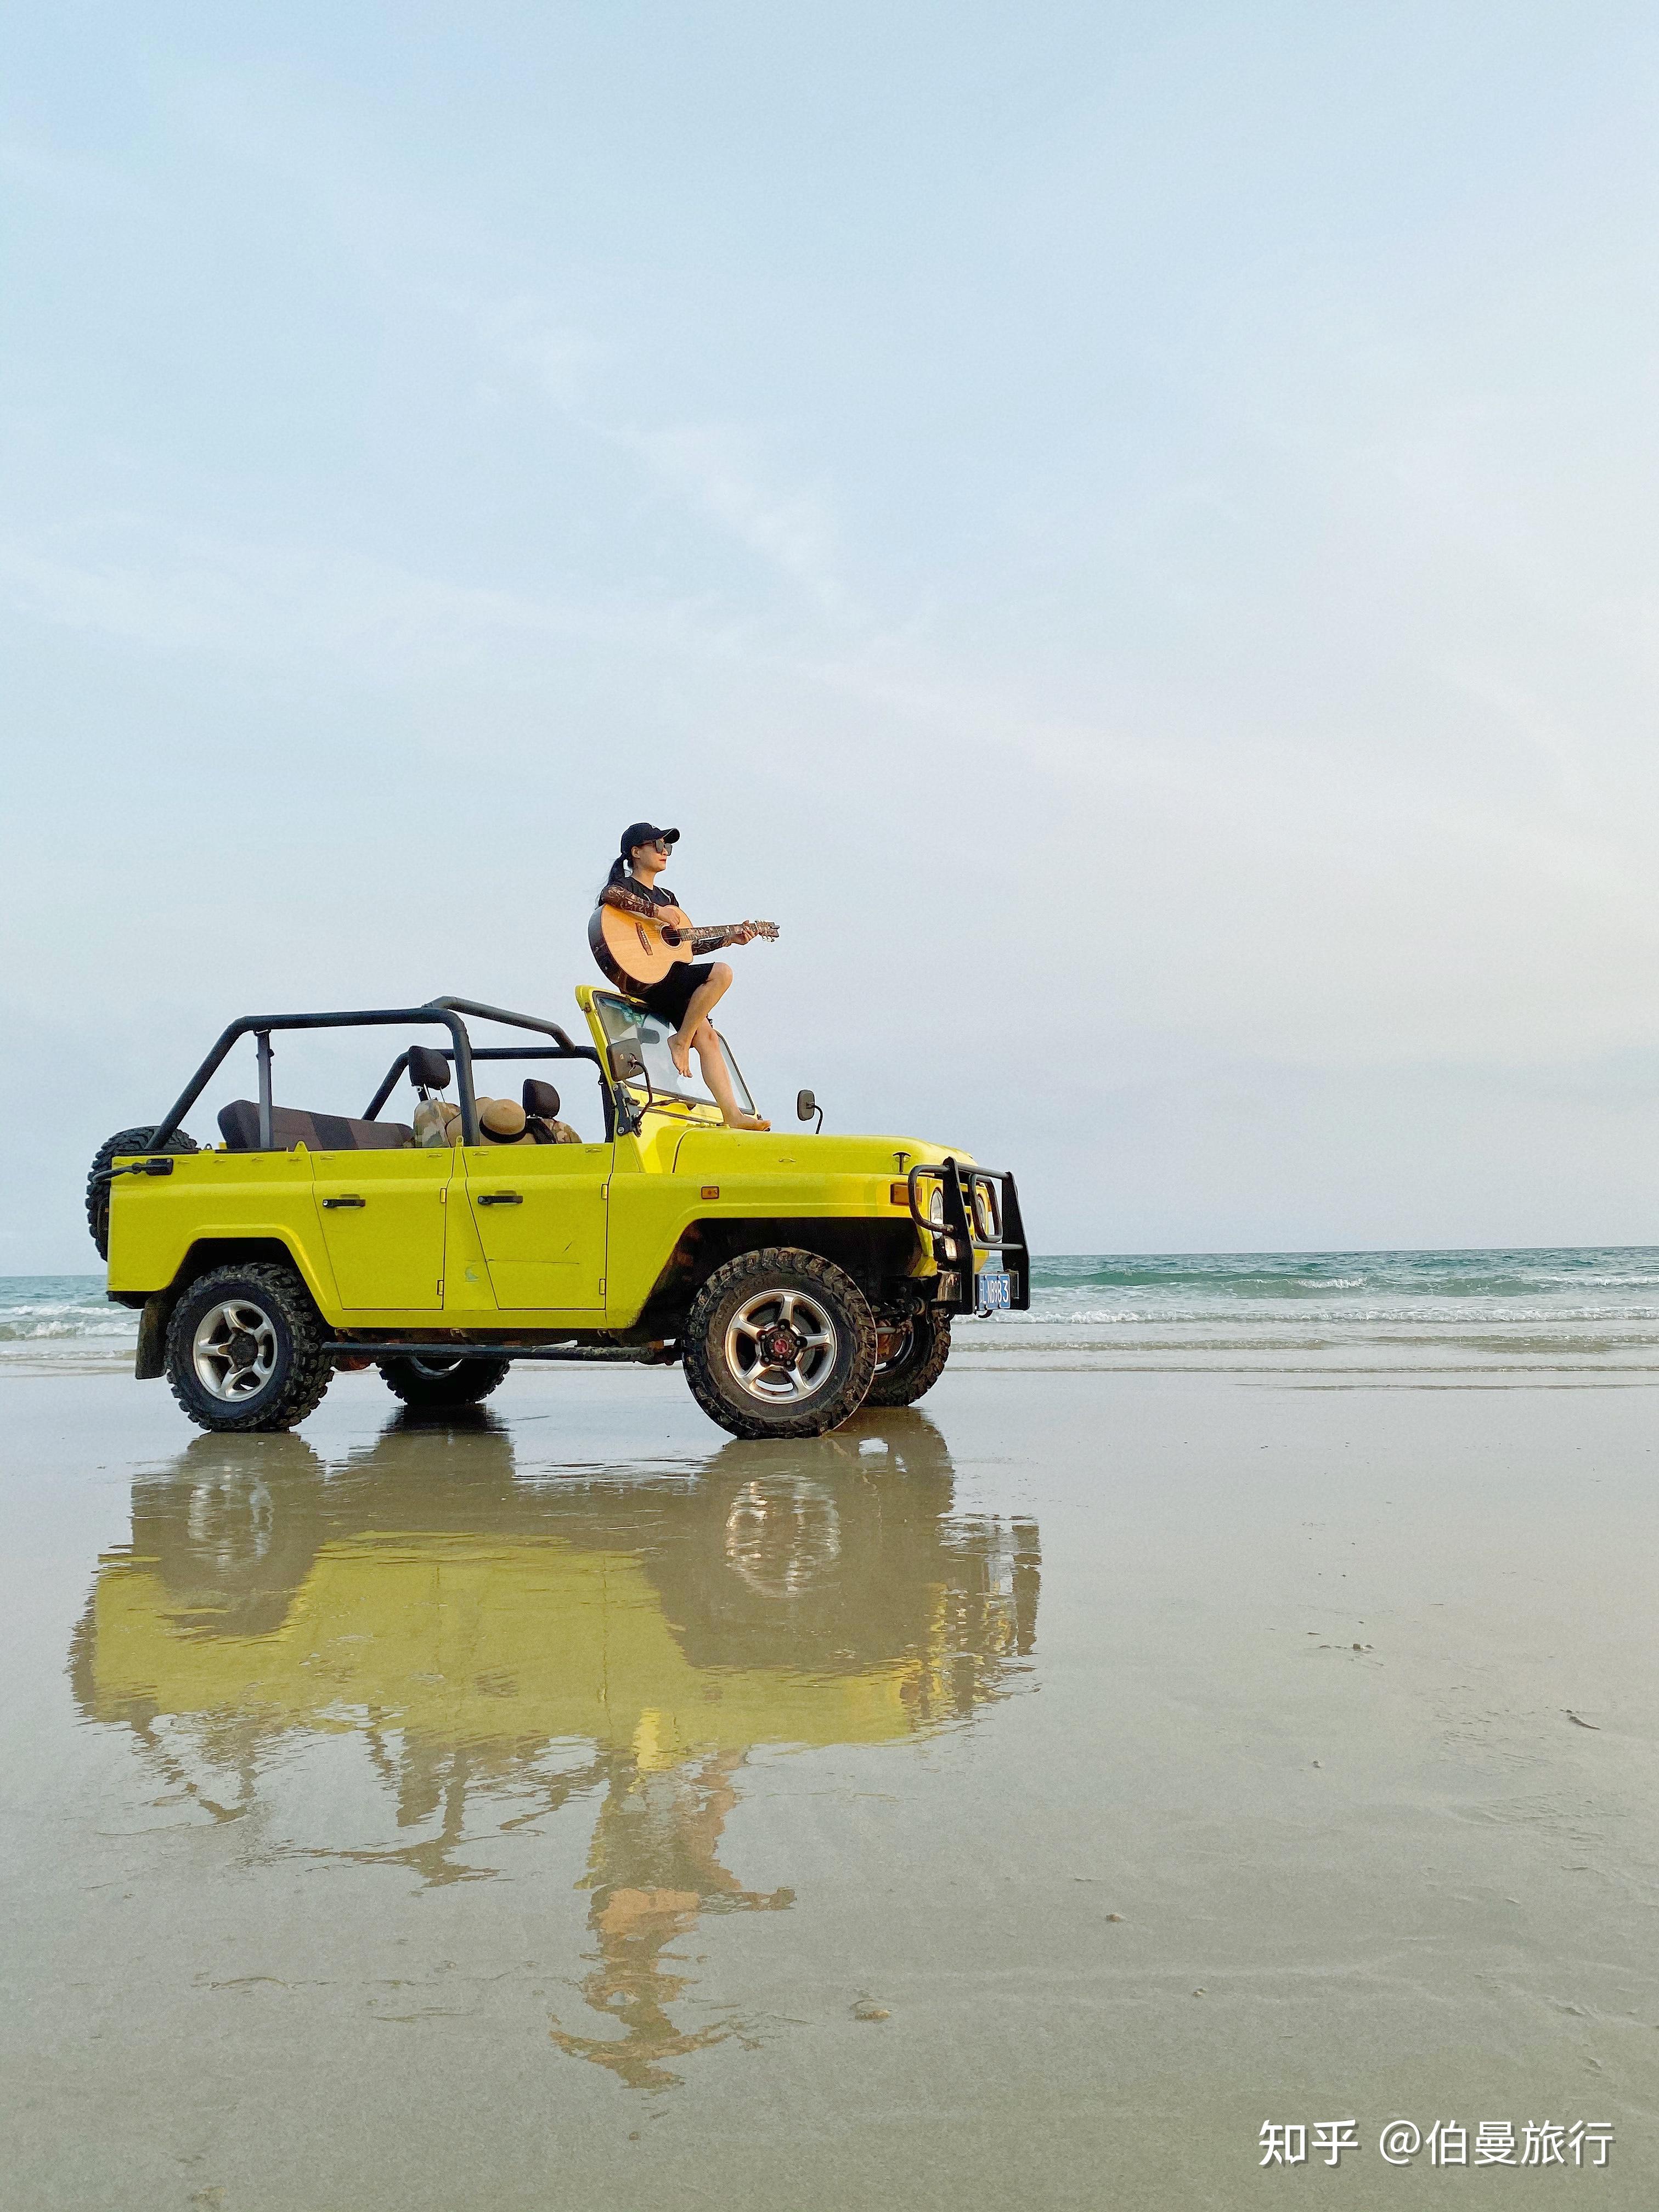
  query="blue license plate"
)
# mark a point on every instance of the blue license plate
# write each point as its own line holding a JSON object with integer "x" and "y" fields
{"x": 992, "y": 1288}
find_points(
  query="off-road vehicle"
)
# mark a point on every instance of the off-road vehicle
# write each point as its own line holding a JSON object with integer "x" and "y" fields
{"x": 796, "y": 1277}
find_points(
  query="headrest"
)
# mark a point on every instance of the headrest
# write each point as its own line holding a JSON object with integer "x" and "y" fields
{"x": 541, "y": 1099}
{"x": 501, "y": 1121}
{"x": 428, "y": 1070}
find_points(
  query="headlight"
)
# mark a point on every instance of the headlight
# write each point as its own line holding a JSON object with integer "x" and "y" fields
{"x": 985, "y": 1211}
{"x": 936, "y": 1206}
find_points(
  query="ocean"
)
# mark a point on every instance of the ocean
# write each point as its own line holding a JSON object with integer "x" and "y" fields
{"x": 1580, "y": 1305}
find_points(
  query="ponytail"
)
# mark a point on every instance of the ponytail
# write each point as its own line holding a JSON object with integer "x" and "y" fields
{"x": 618, "y": 874}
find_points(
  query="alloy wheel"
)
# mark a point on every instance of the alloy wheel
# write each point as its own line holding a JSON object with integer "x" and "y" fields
{"x": 780, "y": 1346}
{"x": 234, "y": 1349}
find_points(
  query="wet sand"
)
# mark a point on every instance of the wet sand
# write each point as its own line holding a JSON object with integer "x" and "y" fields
{"x": 1018, "y": 1800}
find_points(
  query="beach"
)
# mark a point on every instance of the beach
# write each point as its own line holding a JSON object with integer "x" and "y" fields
{"x": 1091, "y": 563}
{"x": 1026, "y": 1797}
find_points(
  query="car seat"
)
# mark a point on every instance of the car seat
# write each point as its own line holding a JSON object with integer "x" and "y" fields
{"x": 541, "y": 1107}
{"x": 239, "y": 1125}
{"x": 429, "y": 1071}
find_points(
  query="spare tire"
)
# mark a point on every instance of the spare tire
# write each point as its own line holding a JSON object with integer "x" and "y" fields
{"x": 113, "y": 1148}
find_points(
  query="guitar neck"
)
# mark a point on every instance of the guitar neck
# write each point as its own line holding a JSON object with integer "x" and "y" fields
{"x": 716, "y": 934}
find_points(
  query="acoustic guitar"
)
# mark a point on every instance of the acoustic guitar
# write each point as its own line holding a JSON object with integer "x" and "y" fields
{"x": 634, "y": 951}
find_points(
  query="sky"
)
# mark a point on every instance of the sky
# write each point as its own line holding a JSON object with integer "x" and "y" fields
{"x": 1126, "y": 530}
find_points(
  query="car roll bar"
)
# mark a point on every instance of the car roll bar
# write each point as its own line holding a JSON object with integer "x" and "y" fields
{"x": 960, "y": 1225}
{"x": 261, "y": 1026}
{"x": 446, "y": 1011}
{"x": 483, "y": 1013}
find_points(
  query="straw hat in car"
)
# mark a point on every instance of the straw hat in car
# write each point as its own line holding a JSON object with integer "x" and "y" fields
{"x": 502, "y": 1121}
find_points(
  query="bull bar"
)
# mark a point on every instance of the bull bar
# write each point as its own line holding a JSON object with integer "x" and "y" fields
{"x": 962, "y": 1186}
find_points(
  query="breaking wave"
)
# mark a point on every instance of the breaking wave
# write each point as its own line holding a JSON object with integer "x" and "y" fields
{"x": 1137, "y": 1298}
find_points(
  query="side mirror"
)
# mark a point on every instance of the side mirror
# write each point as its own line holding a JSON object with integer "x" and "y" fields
{"x": 806, "y": 1106}
{"x": 628, "y": 1066}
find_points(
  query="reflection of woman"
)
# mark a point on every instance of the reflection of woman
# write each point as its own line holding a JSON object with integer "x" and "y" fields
{"x": 654, "y": 1867}
{"x": 688, "y": 992}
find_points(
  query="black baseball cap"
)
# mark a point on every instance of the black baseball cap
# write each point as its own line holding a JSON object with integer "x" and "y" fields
{"x": 646, "y": 833}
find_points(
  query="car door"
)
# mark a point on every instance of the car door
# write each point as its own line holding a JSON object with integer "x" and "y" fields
{"x": 383, "y": 1223}
{"x": 540, "y": 1212}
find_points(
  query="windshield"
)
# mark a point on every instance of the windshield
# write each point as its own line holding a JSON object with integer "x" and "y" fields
{"x": 625, "y": 1024}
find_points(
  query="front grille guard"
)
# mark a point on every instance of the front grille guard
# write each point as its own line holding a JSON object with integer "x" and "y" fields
{"x": 961, "y": 1228}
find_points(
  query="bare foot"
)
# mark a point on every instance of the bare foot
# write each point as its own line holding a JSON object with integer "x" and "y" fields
{"x": 679, "y": 1051}
{"x": 746, "y": 1121}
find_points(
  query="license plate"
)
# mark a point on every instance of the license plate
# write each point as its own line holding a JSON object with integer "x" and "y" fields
{"x": 993, "y": 1289}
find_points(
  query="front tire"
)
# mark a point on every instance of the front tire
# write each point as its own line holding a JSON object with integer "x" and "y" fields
{"x": 245, "y": 1349}
{"x": 916, "y": 1362}
{"x": 779, "y": 1343}
{"x": 429, "y": 1385}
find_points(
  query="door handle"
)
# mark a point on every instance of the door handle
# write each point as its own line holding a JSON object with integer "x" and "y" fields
{"x": 347, "y": 1201}
{"x": 495, "y": 1198}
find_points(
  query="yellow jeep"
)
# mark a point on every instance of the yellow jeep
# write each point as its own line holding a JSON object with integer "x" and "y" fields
{"x": 795, "y": 1276}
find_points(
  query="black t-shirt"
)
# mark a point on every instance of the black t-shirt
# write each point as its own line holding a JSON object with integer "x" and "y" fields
{"x": 635, "y": 897}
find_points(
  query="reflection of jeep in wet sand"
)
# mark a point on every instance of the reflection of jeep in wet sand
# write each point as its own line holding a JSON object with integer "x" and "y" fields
{"x": 500, "y": 1648}
{"x": 796, "y": 1277}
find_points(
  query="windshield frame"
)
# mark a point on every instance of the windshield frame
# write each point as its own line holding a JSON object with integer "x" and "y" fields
{"x": 625, "y": 1022}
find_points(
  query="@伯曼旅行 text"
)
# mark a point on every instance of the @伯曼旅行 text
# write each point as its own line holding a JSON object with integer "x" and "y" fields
{"x": 1446, "y": 2142}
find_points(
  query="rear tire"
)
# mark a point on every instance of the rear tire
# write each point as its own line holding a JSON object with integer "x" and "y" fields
{"x": 246, "y": 1349}
{"x": 916, "y": 1364}
{"x": 779, "y": 1343}
{"x": 114, "y": 1148}
{"x": 429, "y": 1385}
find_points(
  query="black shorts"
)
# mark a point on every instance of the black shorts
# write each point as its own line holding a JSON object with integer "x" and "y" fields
{"x": 669, "y": 1000}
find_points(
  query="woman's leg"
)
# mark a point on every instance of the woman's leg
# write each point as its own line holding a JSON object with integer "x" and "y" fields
{"x": 703, "y": 999}
{"x": 718, "y": 1077}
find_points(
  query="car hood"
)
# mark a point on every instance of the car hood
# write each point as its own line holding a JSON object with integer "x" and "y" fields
{"x": 743, "y": 1151}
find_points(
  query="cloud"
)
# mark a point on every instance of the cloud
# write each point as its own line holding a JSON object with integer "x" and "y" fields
{"x": 719, "y": 467}
{"x": 519, "y": 334}
{"x": 74, "y": 180}
{"x": 183, "y": 592}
